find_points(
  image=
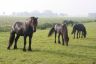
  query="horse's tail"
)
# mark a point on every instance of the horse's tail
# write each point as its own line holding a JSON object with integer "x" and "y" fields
{"x": 51, "y": 31}
{"x": 11, "y": 39}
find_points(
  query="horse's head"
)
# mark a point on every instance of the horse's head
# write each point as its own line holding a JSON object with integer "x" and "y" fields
{"x": 33, "y": 22}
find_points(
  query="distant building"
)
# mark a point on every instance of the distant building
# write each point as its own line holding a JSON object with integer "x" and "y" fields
{"x": 92, "y": 15}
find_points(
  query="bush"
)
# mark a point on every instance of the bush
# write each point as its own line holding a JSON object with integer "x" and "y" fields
{"x": 45, "y": 26}
{"x": 5, "y": 28}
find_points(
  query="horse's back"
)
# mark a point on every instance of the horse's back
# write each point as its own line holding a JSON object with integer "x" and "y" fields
{"x": 18, "y": 27}
{"x": 79, "y": 27}
{"x": 58, "y": 27}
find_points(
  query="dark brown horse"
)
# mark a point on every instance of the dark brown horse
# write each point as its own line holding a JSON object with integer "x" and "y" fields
{"x": 23, "y": 29}
{"x": 61, "y": 29}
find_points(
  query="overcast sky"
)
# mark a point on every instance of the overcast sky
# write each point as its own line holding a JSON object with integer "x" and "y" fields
{"x": 71, "y": 7}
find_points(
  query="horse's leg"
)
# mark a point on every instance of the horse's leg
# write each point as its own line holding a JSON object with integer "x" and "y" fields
{"x": 82, "y": 35}
{"x": 55, "y": 36}
{"x": 62, "y": 40}
{"x": 16, "y": 39}
{"x": 59, "y": 38}
{"x": 30, "y": 37}
{"x": 66, "y": 43}
{"x": 77, "y": 34}
{"x": 24, "y": 49}
{"x": 11, "y": 39}
{"x": 74, "y": 35}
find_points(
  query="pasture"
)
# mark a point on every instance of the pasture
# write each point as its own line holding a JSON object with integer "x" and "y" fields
{"x": 45, "y": 51}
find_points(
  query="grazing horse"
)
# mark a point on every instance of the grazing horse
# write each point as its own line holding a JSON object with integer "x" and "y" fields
{"x": 79, "y": 28}
{"x": 23, "y": 29}
{"x": 61, "y": 29}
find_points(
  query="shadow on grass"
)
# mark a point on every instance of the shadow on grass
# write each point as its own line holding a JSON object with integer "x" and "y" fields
{"x": 58, "y": 52}
{"x": 21, "y": 49}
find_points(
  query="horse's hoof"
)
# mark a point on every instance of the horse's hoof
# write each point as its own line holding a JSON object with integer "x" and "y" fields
{"x": 15, "y": 47}
{"x": 59, "y": 42}
{"x": 29, "y": 49}
{"x": 8, "y": 48}
{"x": 24, "y": 49}
{"x": 66, "y": 44}
{"x": 63, "y": 44}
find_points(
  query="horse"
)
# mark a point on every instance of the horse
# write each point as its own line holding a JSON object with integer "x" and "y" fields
{"x": 79, "y": 28}
{"x": 25, "y": 29}
{"x": 61, "y": 29}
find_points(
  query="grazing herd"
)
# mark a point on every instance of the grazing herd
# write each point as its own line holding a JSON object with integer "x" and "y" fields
{"x": 28, "y": 27}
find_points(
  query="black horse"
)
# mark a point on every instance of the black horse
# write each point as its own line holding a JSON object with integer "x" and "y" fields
{"x": 80, "y": 28}
{"x": 61, "y": 29}
{"x": 23, "y": 29}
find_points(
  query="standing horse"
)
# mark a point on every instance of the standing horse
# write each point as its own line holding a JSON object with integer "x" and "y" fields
{"x": 61, "y": 29}
{"x": 23, "y": 29}
{"x": 79, "y": 28}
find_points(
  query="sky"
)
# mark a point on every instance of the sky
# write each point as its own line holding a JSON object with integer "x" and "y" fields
{"x": 71, "y": 7}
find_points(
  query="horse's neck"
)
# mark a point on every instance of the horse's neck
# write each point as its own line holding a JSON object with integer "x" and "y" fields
{"x": 65, "y": 31}
{"x": 27, "y": 26}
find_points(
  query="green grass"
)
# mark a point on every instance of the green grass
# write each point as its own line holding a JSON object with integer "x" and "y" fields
{"x": 45, "y": 51}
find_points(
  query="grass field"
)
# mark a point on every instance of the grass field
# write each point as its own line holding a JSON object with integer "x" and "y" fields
{"x": 45, "y": 51}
